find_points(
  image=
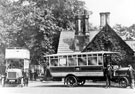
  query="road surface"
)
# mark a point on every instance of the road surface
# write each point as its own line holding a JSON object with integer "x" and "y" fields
{"x": 49, "y": 87}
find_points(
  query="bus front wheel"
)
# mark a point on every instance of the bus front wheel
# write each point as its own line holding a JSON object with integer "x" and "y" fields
{"x": 71, "y": 81}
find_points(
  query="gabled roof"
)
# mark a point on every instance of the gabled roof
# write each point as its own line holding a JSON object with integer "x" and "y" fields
{"x": 66, "y": 42}
{"x": 131, "y": 43}
{"x": 107, "y": 39}
{"x": 92, "y": 34}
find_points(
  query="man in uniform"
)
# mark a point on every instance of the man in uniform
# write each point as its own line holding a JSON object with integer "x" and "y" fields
{"x": 108, "y": 75}
{"x": 108, "y": 70}
{"x": 131, "y": 76}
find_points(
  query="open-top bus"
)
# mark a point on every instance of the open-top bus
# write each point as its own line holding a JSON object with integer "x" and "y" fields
{"x": 75, "y": 68}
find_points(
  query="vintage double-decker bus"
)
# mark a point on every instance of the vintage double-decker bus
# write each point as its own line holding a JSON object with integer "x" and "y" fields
{"x": 17, "y": 62}
{"x": 76, "y": 68}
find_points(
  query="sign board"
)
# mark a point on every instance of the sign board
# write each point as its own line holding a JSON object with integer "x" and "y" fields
{"x": 17, "y": 54}
{"x": 26, "y": 64}
{"x": 62, "y": 61}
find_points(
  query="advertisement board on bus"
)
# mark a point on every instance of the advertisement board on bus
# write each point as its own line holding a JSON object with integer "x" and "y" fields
{"x": 17, "y": 54}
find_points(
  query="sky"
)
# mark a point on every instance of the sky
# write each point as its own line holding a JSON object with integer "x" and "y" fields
{"x": 121, "y": 11}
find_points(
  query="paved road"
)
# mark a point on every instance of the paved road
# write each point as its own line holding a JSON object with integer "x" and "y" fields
{"x": 58, "y": 88}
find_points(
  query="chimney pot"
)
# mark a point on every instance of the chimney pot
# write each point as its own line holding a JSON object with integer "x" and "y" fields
{"x": 104, "y": 19}
{"x": 78, "y": 24}
{"x": 85, "y": 22}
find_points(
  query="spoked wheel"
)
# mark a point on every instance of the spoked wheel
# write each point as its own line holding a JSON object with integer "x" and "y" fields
{"x": 71, "y": 81}
{"x": 81, "y": 82}
{"x": 123, "y": 82}
{"x": 3, "y": 82}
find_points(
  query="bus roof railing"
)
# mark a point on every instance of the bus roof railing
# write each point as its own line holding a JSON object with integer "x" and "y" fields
{"x": 84, "y": 53}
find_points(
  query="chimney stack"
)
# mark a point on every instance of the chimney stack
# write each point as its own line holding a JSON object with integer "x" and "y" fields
{"x": 104, "y": 19}
{"x": 85, "y": 22}
{"x": 78, "y": 24}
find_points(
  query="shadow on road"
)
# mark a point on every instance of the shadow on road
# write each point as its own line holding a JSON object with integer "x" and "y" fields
{"x": 103, "y": 86}
{"x": 46, "y": 84}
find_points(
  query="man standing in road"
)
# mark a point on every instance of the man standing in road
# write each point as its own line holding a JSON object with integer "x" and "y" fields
{"x": 108, "y": 75}
{"x": 131, "y": 76}
{"x": 108, "y": 70}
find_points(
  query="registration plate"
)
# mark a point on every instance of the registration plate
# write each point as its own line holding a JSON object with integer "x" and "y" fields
{"x": 12, "y": 80}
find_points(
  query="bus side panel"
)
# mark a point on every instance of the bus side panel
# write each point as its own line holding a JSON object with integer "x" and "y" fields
{"x": 79, "y": 71}
{"x": 91, "y": 71}
{"x": 57, "y": 73}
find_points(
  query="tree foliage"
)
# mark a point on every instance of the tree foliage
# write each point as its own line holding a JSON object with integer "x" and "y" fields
{"x": 36, "y": 24}
{"x": 127, "y": 32}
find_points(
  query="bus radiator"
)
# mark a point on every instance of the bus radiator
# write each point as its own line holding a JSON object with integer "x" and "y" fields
{"x": 11, "y": 75}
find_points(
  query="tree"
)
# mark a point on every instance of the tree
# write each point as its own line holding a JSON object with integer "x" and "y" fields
{"x": 36, "y": 24}
{"x": 128, "y": 32}
{"x": 131, "y": 31}
{"x": 120, "y": 30}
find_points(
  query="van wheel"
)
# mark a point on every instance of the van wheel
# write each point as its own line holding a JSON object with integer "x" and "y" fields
{"x": 71, "y": 81}
{"x": 81, "y": 82}
{"x": 3, "y": 82}
{"x": 123, "y": 82}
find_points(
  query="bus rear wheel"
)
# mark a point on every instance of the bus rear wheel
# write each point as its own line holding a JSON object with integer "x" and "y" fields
{"x": 71, "y": 81}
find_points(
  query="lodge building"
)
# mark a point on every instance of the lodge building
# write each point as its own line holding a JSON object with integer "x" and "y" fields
{"x": 105, "y": 39}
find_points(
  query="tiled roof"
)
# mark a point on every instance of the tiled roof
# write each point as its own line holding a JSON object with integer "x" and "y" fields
{"x": 66, "y": 42}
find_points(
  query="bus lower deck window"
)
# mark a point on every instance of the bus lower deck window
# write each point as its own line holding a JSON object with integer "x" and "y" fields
{"x": 54, "y": 62}
{"x": 82, "y": 61}
{"x": 62, "y": 62}
{"x": 100, "y": 60}
{"x": 72, "y": 61}
{"x": 92, "y": 60}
